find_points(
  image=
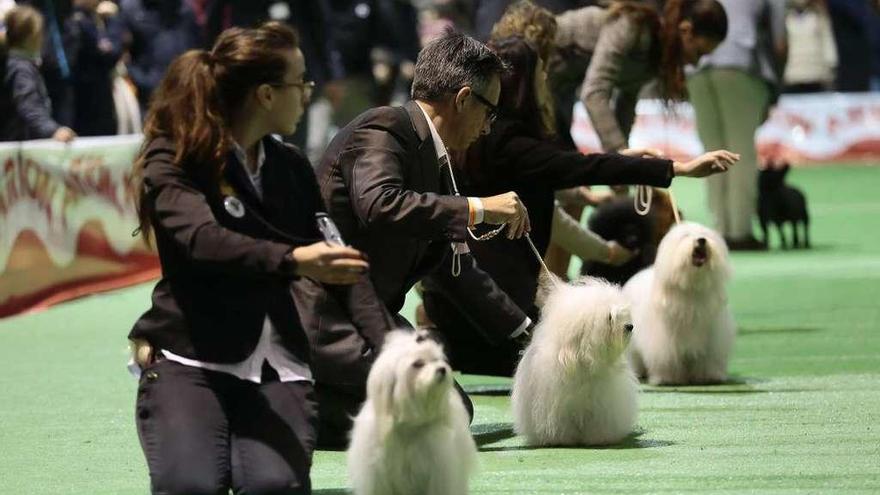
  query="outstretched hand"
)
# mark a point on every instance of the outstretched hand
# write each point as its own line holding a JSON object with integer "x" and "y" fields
{"x": 711, "y": 163}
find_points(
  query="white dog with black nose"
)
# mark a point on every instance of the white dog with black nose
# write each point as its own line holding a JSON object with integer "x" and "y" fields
{"x": 573, "y": 385}
{"x": 684, "y": 328}
{"x": 411, "y": 436}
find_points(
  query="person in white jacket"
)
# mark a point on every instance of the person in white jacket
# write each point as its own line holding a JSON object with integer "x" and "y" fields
{"x": 812, "y": 52}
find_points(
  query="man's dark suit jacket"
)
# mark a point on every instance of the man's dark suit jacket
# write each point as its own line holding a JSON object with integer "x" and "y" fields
{"x": 382, "y": 185}
{"x": 512, "y": 159}
{"x": 221, "y": 275}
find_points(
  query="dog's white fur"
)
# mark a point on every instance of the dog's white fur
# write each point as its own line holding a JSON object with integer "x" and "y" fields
{"x": 573, "y": 386}
{"x": 411, "y": 436}
{"x": 684, "y": 330}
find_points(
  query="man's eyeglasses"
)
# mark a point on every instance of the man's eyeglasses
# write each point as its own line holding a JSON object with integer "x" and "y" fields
{"x": 307, "y": 87}
{"x": 492, "y": 113}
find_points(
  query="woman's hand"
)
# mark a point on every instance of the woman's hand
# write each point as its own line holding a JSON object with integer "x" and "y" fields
{"x": 330, "y": 264}
{"x": 64, "y": 134}
{"x": 619, "y": 255}
{"x": 713, "y": 162}
{"x": 582, "y": 196}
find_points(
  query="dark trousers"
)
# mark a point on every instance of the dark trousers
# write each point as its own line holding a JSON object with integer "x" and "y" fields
{"x": 204, "y": 432}
{"x": 467, "y": 348}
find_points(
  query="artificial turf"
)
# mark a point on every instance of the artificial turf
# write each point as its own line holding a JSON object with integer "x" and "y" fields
{"x": 800, "y": 415}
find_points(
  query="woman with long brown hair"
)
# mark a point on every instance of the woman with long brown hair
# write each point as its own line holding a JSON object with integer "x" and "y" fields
{"x": 225, "y": 398}
{"x": 628, "y": 45}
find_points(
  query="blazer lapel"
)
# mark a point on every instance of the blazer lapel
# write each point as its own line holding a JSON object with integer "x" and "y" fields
{"x": 428, "y": 167}
{"x": 237, "y": 177}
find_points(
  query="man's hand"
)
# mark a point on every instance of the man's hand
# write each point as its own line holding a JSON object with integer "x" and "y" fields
{"x": 329, "y": 264}
{"x": 707, "y": 164}
{"x": 507, "y": 208}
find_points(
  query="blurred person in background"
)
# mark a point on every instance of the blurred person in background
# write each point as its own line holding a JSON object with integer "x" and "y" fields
{"x": 812, "y": 53}
{"x": 97, "y": 47}
{"x": 25, "y": 107}
{"x": 623, "y": 48}
{"x": 156, "y": 32}
{"x": 732, "y": 92}
{"x": 851, "y": 23}
{"x": 225, "y": 398}
{"x": 55, "y": 57}
{"x": 488, "y": 12}
{"x": 875, "y": 45}
{"x": 361, "y": 30}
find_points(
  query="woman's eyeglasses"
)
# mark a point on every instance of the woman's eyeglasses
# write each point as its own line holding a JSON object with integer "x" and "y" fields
{"x": 307, "y": 87}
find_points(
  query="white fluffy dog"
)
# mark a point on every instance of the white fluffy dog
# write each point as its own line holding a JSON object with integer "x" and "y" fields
{"x": 684, "y": 328}
{"x": 573, "y": 386}
{"x": 411, "y": 436}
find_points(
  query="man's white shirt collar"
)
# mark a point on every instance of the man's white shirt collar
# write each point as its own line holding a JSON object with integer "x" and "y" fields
{"x": 439, "y": 147}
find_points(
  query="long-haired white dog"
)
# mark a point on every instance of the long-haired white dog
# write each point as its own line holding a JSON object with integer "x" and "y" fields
{"x": 573, "y": 386}
{"x": 411, "y": 436}
{"x": 684, "y": 327}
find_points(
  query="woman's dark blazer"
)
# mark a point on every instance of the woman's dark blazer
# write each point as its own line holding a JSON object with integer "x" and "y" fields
{"x": 225, "y": 269}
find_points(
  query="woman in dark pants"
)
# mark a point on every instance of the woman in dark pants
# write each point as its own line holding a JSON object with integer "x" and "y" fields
{"x": 225, "y": 396}
{"x": 520, "y": 155}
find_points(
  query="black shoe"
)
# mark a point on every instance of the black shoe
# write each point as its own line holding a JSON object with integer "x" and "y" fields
{"x": 745, "y": 244}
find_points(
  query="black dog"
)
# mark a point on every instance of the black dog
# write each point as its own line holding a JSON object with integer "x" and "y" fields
{"x": 617, "y": 220}
{"x": 779, "y": 204}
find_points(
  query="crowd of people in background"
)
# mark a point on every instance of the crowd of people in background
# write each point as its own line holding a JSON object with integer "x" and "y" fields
{"x": 100, "y": 60}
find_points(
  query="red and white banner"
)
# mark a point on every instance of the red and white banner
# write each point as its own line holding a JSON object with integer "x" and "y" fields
{"x": 66, "y": 219}
{"x": 815, "y": 128}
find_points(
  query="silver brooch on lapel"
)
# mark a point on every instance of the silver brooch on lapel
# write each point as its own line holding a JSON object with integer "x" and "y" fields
{"x": 233, "y": 206}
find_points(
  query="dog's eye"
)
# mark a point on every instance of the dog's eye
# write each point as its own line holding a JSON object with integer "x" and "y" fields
{"x": 418, "y": 363}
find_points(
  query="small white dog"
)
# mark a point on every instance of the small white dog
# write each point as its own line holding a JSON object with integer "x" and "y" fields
{"x": 684, "y": 328}
{"x": 411, "y": 436}
{"x": 573, "y": 386}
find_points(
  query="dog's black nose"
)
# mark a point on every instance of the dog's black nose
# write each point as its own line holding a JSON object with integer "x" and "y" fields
{"x": 628, "y": 327}
{"x": 441, "y": 371}
{"x": 701, "y": 241}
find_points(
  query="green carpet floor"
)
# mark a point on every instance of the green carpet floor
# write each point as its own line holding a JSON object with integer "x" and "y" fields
{"x": 801, "y": 414}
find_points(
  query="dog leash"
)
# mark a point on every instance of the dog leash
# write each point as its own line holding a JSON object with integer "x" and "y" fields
{"x": 642, "y": 202}
{"x": 456, "y": 254}
{"x": 540, "y": 259}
